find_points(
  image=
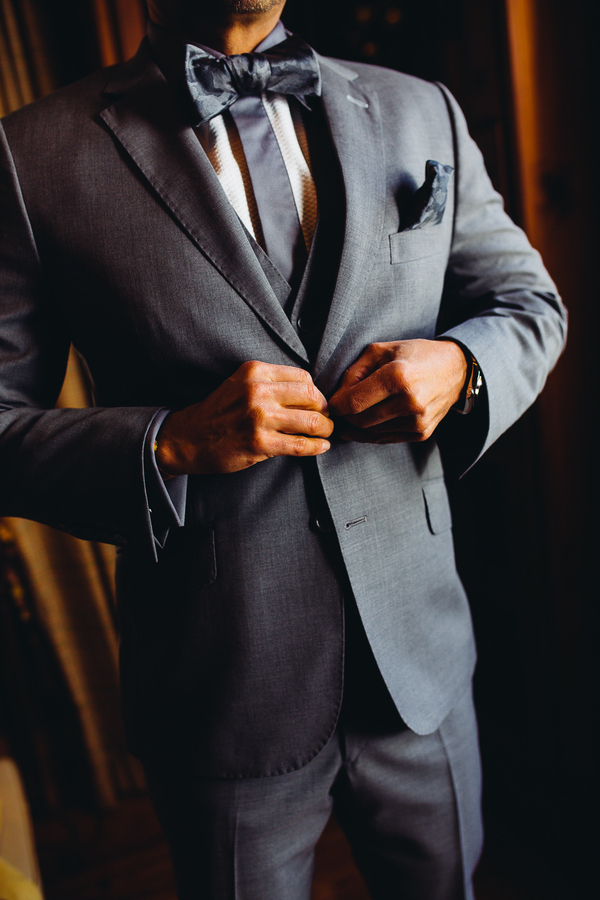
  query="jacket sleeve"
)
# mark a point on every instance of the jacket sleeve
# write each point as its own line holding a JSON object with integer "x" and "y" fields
{"x": 80, "y": 470}
{"x": 499, "y": 303}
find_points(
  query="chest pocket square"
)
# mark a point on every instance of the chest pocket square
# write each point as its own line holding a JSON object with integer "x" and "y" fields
{"x": 427, "y": 205}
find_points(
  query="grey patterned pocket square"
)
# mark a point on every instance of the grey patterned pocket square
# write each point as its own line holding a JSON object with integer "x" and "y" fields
{"x": 427, "y": 205}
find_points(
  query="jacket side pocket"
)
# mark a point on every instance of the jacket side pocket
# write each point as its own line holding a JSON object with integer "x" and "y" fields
{"x": 190, "y": 557}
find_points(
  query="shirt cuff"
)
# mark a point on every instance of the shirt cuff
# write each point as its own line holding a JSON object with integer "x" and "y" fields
{"x": 166, "y": 499}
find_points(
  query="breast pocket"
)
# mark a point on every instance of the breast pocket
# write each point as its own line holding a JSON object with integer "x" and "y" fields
{"x": 419, "y": 243}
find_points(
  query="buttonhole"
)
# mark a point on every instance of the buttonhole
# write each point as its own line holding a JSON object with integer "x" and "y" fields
{"x": 356, "y": 100}
{"x": 354, "y": 522}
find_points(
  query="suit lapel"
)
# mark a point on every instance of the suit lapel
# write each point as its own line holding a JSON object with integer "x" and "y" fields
{"x": 355, "y": 125}
{"x": 147, "y": 121}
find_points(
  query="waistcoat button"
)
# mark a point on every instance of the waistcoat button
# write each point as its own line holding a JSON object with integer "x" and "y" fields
{"x": 306, "y": 324}
{"x": 322, "y": 522}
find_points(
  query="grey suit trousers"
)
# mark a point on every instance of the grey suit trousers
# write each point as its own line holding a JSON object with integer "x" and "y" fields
{"x": 409, "y": 805}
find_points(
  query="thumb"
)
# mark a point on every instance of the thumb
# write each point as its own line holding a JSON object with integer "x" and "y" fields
{"x": 367, "y": 363}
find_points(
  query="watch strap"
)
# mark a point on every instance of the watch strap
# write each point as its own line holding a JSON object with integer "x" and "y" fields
{"x": 471, "y": 389}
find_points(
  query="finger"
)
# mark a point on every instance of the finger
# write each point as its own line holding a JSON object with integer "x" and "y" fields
{"x": 254, "y": 370}
{"x": 291, "y": 394}
{"x": 375, "y": 388}
{"x": 367, "y": 363}
{"x": 298, "y": 445}
{"x": 295, "y": 421}
{"x": 383, "y": 414}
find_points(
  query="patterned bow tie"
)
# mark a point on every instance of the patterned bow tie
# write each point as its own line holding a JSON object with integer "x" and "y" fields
{"x": 290, "y": 67}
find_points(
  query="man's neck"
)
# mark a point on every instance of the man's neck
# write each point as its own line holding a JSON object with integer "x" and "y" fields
{"x": 236, "y": 35}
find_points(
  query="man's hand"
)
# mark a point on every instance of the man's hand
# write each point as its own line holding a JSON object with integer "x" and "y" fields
{"x": 259, "y": 412}
{"x": 399, "y": 391}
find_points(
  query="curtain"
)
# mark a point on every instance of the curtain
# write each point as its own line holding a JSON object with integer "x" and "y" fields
{"x": 71, "y": 580}
{"x": 25, "y": 70}
{"x": 121, "y": 25}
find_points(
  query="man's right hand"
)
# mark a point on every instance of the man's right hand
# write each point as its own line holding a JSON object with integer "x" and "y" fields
{"x": 259, "y": 412}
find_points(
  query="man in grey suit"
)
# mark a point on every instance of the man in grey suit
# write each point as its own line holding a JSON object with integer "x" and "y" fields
{"x": 288, "y": 276}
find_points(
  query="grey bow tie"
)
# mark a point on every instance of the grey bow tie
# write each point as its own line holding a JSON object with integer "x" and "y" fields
{"x": 213, "y": 85}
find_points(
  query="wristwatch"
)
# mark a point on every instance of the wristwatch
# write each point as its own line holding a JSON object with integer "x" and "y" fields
{"x": 471, "y": 389}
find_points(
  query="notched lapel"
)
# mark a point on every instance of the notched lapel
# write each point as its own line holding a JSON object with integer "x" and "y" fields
{"x": 148, "y": 122}
{"x": 355, "y": 124}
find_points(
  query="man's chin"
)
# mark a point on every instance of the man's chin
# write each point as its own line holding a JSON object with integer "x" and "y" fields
{"x": 251, "y": 7}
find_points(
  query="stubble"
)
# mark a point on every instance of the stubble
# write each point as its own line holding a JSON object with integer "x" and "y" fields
{"x": 250, "y": 7}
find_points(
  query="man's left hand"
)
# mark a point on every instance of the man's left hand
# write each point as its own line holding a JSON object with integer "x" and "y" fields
{"x": 399, "y": 391}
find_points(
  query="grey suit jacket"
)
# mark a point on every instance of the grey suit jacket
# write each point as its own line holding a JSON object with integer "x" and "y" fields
{"x": 116, "y": 235}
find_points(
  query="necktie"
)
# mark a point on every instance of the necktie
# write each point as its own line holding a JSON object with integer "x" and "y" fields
{"x": 280, "y": 222}
{"x": 237, "y": 83}
{"x": 213, "y": 85}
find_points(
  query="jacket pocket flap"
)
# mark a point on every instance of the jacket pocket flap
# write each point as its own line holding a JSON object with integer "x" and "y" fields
{"x": 417, "y": 243}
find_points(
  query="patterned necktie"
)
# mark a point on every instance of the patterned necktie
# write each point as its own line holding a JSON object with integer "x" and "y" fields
{"x": 213, "y": 85}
